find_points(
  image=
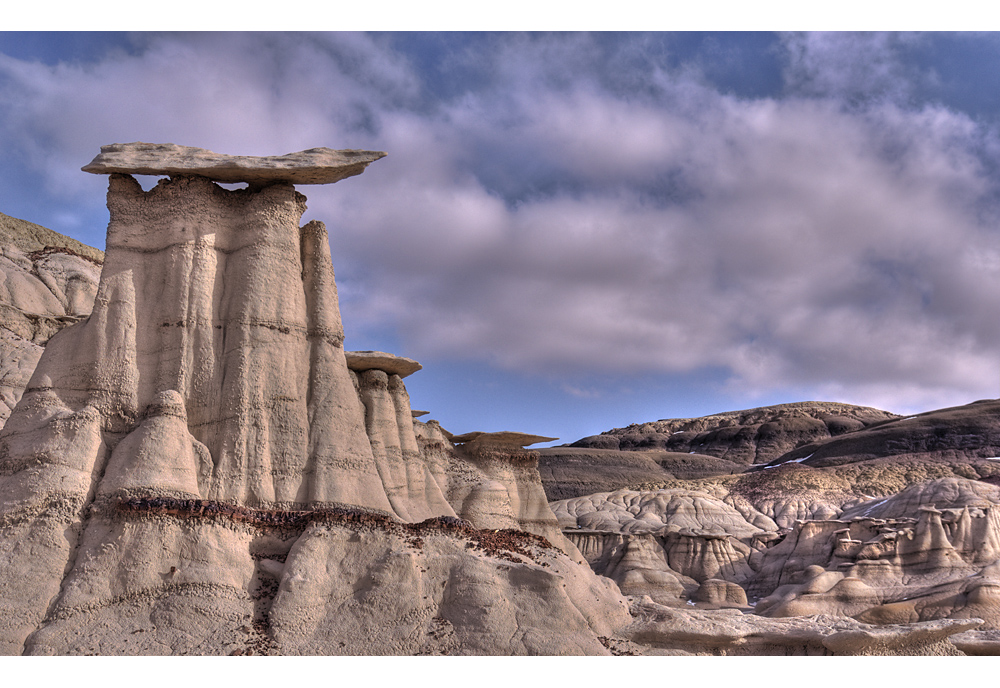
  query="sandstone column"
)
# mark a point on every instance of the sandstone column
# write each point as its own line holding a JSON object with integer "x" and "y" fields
{"x": 211, "y": 366}
{"x": 414, "y": 490}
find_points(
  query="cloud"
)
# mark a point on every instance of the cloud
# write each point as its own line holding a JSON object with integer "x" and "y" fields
{"x": 249, "y": 92}
{"x": 573, "y": 204}
{"x": 854, "y": 66}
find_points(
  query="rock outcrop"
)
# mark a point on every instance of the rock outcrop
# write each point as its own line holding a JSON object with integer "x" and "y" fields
{"x": 196, "y": 468}
{"x": 930, "y": 552}
{"x": 415, "y": 488}
{"x": 47, "y": 282}
{"x": 179, "y": 577}
{"x": 733, "y": 633}
{"x": 681, "y": 511}
{"x": 494, "y": 483}
{"x": 892, "y": 559}
{"x": 666, "y": 544}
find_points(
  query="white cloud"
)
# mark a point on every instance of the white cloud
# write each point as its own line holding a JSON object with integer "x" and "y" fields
{"x": 851, "y": 65}
{"x": 544, "y": 217}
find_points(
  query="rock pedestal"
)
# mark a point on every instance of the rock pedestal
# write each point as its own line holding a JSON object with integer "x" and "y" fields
{"x": 199, "y": 468}
{"x": 220, "y": 297}
{"x": 415, "y": 487}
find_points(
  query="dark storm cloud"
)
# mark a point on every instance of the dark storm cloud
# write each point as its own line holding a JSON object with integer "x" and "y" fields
{"x": 600, "y": 203}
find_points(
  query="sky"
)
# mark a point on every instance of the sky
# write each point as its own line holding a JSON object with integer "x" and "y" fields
{"x": 578, "y": 231}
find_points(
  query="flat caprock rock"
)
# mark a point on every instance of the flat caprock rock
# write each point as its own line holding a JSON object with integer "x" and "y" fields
{"x": 513, "y": 439}
{"x": 313, "y": 166}
{"x": 380, "y": 360}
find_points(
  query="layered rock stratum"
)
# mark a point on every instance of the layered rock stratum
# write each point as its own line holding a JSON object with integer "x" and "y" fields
{"x": 197, "y": 466}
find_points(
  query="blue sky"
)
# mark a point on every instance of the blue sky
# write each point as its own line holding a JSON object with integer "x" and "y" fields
{"x": 577, "y": 231}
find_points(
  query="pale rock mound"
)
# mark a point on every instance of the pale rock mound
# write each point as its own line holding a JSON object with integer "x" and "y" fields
{"x": 180, "y": 577}
{"x": 944, "y": 493}
{"x": 47, "y": 282}
{"x": 794, "y": 492}
{"x": 637, "y": 563}
{"x": 681, "y": 511}
{"x": 721, "y": 593}
{"x": 494, "y": 483}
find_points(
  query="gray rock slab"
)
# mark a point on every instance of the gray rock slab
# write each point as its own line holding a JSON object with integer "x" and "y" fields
{"x": 313, "y": 166}
{"x": 514, "y": 439}
{"x": 379, "y": 360}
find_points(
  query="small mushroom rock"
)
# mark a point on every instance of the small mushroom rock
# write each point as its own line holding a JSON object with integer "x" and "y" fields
{"x": 360, "y": 361}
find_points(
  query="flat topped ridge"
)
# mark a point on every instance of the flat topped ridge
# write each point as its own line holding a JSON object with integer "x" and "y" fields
{"x": 313, "y": 166}
{"x": 359, "y": 361}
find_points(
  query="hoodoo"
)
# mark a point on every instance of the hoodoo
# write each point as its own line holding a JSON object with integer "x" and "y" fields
{"x": 187, "y": 463}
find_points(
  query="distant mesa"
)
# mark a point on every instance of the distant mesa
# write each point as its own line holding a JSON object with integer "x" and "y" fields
{"x": 359, "y": 361}
{"x": 313, "y": 166}
{"x": 751, "y": 436}
{"x": 967, "y": 433}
